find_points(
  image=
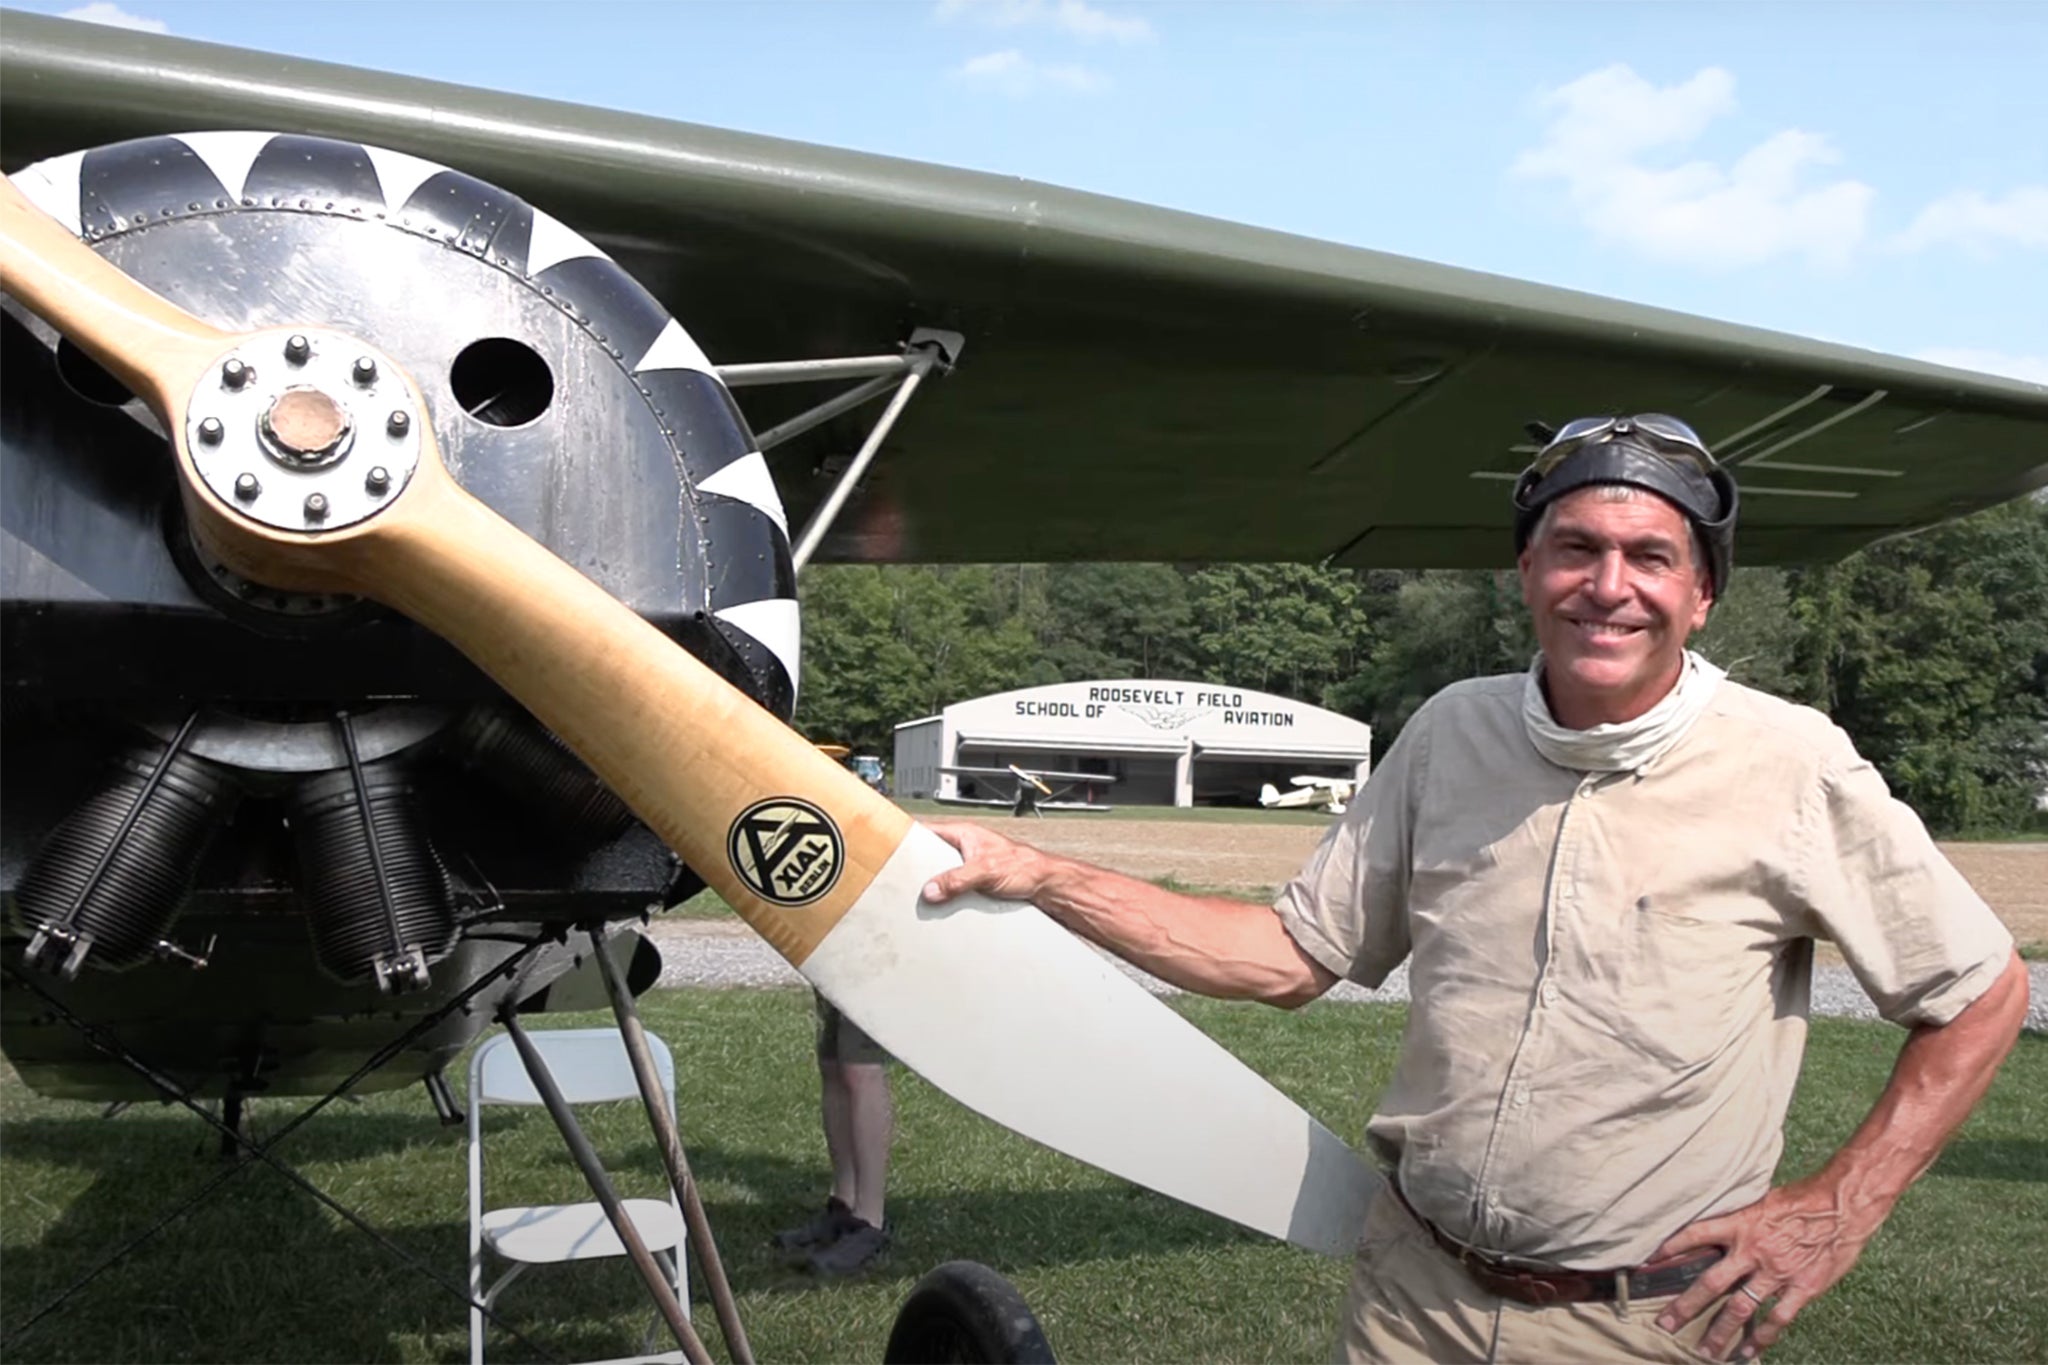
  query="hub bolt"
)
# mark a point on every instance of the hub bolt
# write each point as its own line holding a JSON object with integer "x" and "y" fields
{"x": 210, "y": 431}
{"x": 316, "y": 507}
{"x": 399, "y": 422}
{"x": 364, "y": 370}
{"x": 234, "y": 374}
{"x": 247, "y": 487}
{"x": 378, "y": 479}
{"x": 297, "y": 349}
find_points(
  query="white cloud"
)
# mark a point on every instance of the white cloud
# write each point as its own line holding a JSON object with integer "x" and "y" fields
{"x": 113, "y": 16}
{"x": 2029, "y": 367}
{"x": 1010, "y": 72}
{"x": 1969, "y": 219}
{"x": 1075, "y": 18}
{"x": 1613, "y": 142}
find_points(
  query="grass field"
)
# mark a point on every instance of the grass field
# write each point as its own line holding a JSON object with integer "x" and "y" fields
{"x": 262, "y": 1273}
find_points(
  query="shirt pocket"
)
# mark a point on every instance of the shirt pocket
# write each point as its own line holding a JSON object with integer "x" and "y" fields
{"x": 1680, "y": 988}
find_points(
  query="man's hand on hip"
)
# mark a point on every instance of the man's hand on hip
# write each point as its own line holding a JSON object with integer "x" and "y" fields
{"x": 1792, "y": 1245}
{"x": 1785, "y": 1250}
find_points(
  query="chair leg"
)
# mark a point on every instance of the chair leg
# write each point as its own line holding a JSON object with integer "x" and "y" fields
{"x": 488, "y": 1299}
{"x": 658, "y": 1287}
{"x": 503, "y": 1283}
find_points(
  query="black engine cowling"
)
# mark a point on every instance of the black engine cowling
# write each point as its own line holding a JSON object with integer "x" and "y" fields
{"x": 563, "y": 395}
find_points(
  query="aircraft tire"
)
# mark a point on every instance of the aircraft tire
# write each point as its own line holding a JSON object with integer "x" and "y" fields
{"x": 963, "y": 1313}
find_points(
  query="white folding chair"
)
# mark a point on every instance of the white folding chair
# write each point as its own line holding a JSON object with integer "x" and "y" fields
{"x": 589, "y": 1066}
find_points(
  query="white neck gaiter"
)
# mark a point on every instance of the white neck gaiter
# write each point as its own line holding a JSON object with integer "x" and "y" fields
{"x": 1630, "y": 744}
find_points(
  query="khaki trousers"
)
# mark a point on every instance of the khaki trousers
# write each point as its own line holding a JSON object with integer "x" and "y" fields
{"x": 1410, "y": 1302}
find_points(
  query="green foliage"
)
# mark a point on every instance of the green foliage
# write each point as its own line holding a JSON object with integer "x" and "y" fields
{"x": 1931, "y": 651}
{"x": 1293, "y": 629}
{"x": 1751, "y": 631}
{"x": 1115, "y": 621}
{"x": 1436, "y": 627}
{"x": 883, "y": 646}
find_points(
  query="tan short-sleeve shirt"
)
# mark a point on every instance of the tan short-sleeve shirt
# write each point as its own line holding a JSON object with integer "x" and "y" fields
{"x": 1610, "y": 971}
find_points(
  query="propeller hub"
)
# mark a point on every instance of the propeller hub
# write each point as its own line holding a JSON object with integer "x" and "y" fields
{"x": 304, "y": 433}
{"x": 306, "y": 429}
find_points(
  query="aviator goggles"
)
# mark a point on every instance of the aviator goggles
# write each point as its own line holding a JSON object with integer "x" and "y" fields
{"x": 1660, "y": 433}
{"x": 1650, "y": 450}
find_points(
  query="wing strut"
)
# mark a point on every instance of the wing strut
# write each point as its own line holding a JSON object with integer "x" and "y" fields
{"x": 928, "y": 349}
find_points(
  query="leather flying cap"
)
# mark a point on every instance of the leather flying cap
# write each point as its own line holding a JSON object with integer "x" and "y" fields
{"x": 1703, "y": 493}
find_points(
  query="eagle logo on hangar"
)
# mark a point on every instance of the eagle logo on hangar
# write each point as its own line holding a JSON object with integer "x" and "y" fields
{"x": 1167, "y": 717}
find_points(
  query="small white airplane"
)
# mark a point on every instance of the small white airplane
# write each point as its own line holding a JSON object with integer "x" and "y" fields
{"x": 1331, "y": 794}
{"x": 1034, "y": 790}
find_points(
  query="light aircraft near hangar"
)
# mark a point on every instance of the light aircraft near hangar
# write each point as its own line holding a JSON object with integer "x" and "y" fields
{"x": 297, "y": 644}
{"x": 1032, "y": 790}
{"x": 1308, "y": 792}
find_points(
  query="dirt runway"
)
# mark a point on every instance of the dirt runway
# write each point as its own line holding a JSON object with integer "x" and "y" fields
{"x": 1255, "y": 858}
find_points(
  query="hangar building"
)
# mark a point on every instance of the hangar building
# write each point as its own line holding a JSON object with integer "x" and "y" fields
{"x": 1166, "y": 743}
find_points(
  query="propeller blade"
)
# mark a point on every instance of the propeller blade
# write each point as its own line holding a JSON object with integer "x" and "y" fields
{"x": 150, "y": 344}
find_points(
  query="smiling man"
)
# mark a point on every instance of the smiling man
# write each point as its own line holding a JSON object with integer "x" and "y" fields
{"x": 1616, "y": 579}
{"x": 1608, "y": 875}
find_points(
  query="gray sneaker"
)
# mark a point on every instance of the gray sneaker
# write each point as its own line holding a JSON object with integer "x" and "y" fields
{"x": 855, "y": 1252}
{"x": 827, "y": 1226}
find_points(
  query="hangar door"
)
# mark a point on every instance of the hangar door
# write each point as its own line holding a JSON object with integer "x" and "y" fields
{"x": 1144, "y": 773}
{"x": 1231, "y": 775}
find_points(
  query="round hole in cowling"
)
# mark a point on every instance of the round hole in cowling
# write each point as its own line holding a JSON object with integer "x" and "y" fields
{"x": 502, "y": 382}
{"x": 88, "y": 378}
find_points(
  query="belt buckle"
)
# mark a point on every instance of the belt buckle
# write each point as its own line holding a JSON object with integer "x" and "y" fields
{"x": 1537, "y": 1291}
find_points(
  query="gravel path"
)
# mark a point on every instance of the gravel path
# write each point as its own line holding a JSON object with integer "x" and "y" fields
{"x": 724, "y": 953}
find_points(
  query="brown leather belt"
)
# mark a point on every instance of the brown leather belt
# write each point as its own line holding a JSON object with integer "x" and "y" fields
{"x": 1544, "y": 1287}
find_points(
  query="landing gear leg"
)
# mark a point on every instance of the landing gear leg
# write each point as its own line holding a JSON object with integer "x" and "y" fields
{"x": 443, "y": 1096}
{"x": 669, "y": 1139}
{"x": 231, "y": 1109}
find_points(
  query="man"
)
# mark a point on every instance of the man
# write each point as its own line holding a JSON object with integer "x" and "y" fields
{"x": 851, "y": 1233}
{"x": 1608, "y": 874}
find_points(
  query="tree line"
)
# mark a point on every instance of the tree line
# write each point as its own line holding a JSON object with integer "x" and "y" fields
{"x": 1931, "y": 650}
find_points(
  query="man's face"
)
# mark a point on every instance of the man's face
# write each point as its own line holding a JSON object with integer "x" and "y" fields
{"x": 1614, "y": 592}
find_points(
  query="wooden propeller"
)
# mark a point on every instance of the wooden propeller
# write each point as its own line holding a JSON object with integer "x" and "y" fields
{"x": 990, "y": 1001}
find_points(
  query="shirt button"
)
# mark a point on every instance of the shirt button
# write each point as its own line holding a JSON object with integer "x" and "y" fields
{"x": 1549, "y": 992}
{"x": 1493, "y": 1199}
{"x": 1521, "y": 1096}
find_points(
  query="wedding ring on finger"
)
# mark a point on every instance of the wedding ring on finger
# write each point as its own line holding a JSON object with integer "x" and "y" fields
{"x": 1750, "y": 1294}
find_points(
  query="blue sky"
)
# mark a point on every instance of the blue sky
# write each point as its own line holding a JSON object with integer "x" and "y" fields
{"x": 1875, "y": 174}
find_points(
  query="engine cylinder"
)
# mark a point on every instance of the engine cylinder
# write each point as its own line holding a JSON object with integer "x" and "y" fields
{"x": 519, "y": 755}
{"x": 339, "y": 865}
{"x": 149, "y": 865}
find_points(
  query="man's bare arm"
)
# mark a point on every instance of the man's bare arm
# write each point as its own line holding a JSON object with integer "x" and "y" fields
{"x": 1797, "y": 1241}
{"x": 1204, "y": 944}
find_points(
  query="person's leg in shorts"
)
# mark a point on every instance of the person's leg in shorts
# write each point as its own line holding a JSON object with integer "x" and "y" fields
{"x": 858, "y": 1112}
{"x": 859, "y": 1119}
